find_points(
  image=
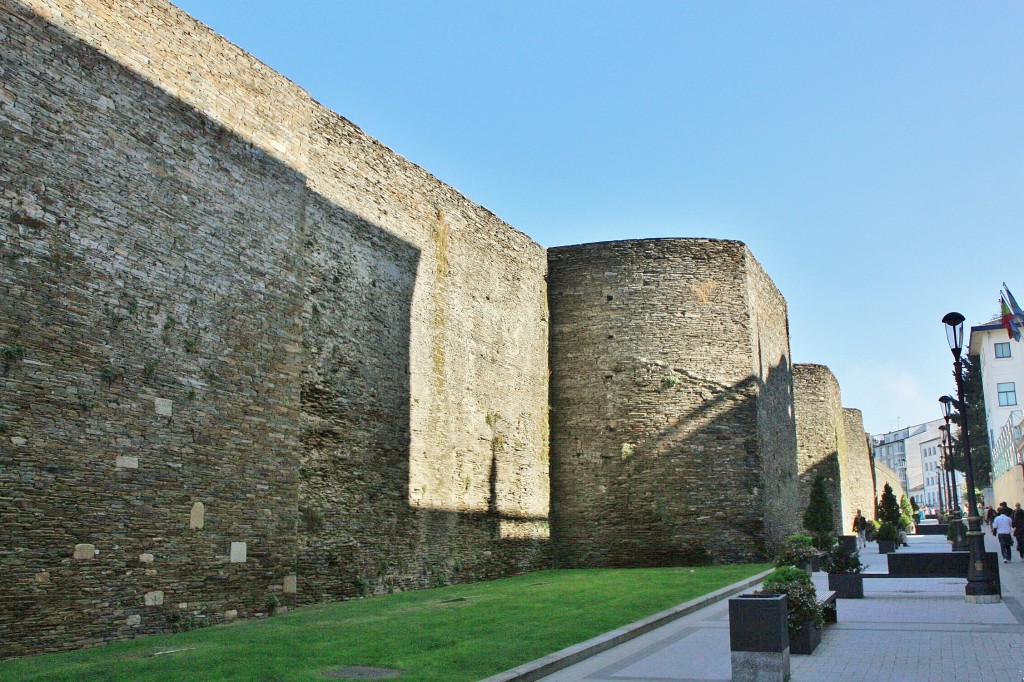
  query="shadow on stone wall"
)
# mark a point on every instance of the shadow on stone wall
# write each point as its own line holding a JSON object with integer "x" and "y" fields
{"x": 691, "y": 492}
{"x": 209, "y": 391}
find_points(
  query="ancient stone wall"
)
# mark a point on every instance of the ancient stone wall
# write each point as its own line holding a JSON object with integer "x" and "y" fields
{"x": 775, "y": 408}
{"x": 820, "y": 435}
{"x": 252, "y": 352}
{"x": 658, "y": 440}
{"x": 857, "y": 483}
{"x": 883, "y": 475}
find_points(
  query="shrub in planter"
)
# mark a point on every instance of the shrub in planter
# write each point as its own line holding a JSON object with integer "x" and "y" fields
{"x": 844, "y": 573}
{"x": 887, "y": 537}
{"x": 906, "y": 523}
{"x": 871, "y": 531}
{"x": 838, "y": 560}
{"x": 798, "y": 551}
{"x": 803, "y": 609}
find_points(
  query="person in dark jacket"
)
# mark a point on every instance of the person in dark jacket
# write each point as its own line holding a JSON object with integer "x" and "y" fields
{"x": 1018, "y": 528}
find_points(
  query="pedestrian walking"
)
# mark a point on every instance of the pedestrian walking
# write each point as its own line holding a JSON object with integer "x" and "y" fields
{"x": 990, "y": 514}
{"x": 1002, "y": 528}
{"x": 1018, "y": 528}
{"x": 860, "y": 525}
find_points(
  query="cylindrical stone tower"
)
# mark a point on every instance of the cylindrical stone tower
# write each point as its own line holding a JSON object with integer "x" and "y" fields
{"x": 672, "y": 432}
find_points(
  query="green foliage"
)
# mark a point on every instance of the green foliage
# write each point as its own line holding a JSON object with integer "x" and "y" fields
{"x": 271, "y": 602}
{"x": 820, "y": 518}
{"x": 669, "y": 380}
{"x": 887, "y": 531}
{"x": 10, "y": 354}
{"x": 871, "y": 530}
{"x": 460, "y": 633}
{"x": 801, "y": 597}
{"x": 888, "y": 508}
{"x": 785, "y": 575}
{"x": 974, "y": 395}
{"x": 905, "y": 506}
{"x": 797, "y": 550}
{"x": 838, "y": 560}
{"x": 906, "y": 522}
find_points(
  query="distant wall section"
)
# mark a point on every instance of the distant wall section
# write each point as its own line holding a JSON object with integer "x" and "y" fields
{"x": 821, "y": 435}
{"x": 658, "y": 438}
{"x": 857, "y": 483}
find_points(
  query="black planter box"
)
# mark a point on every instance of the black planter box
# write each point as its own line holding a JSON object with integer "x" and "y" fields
{"x": 886, "y": 546}
{"x": 933, "y": 529}
{"x": 806, "y": 639}
{"x": 941, "y": 565}
{"x": 758, "y": 622}
{"x": 847, "y": 585}
{"x": 848, "y": 543}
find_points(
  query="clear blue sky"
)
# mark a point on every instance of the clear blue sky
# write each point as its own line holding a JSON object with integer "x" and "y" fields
{"x": 870, "y": 154}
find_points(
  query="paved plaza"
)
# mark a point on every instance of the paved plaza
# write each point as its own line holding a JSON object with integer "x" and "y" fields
{"x": 903, "y": 630}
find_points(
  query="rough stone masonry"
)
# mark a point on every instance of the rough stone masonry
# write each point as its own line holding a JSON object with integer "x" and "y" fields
{"x": 250, "y": 356}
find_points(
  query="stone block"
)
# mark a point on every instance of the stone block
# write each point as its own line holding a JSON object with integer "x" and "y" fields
{"x": 290, "y": 584}
{"x": 231, "y": 614}
{"x": 164, "y": 407}
{"x": 133, "y": 621}
{"x": 155, "y": 598}
{"x": 85, "y": 551}
{"x": 238, "y": 552}
{"x": 18, "y": 441}
{"x": 146, "y": 558}
{"x": 197, "y": 517}
{"x": 125, "y": 462}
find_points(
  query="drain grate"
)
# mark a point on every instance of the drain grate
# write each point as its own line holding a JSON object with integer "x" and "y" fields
{"x": 363, "y": 672}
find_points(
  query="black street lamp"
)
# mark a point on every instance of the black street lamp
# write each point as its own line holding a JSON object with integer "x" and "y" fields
{"x": 947, "y": 409}
{"x": 979, "y": 589}
{"x": 940, "y": 475}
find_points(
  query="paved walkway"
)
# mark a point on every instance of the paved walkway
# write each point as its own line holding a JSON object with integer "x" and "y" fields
{"x": 904, "y": 630}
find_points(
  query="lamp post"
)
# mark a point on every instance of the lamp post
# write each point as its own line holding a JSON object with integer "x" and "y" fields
{"x": 947, "y": 409}
{"x": 940, "y": 475}
{"x": 979, "y": 589}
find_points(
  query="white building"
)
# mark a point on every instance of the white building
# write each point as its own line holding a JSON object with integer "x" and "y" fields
{"x": 1002, "y": 376}
{"x": 914, "y": 454}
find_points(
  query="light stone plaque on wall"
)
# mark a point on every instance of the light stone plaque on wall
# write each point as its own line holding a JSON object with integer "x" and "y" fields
{"x": 164, "y": 407}
{"x": 155, "y": 598}
{"x": 290, "y": 584}
{"x": 85, "y": 551}
{"x": 125, "y": 462}
{"x": 197, "y": 517}
{"x": 238, "y": 552}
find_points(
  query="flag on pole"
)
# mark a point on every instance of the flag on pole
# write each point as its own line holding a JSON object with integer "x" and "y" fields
{"x": 1017, "y": 312}
{"x": 1007, "y": 319}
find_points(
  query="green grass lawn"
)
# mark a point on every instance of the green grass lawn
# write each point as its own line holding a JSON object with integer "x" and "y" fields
{"x": 463, "y": 632}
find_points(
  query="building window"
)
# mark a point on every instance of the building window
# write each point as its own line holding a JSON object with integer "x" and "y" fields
{"x": 1007, "y": 394}
{"x": 1003, "y": 350}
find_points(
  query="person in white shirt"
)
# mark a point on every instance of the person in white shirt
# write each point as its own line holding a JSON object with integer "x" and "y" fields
{"x": 1002, "y": 528}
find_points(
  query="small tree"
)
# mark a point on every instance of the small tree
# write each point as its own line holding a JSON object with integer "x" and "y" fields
{"x": 906, "y": 507}
{"x": 820, "y": 519}
{"x": 888, "y": 508}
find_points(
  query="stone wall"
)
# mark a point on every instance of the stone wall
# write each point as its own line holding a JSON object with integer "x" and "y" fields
{"x": 883, "y": 475}
{"x": 660, "y": 443}
{"x": 820, "y": 436}
{"x": 251, "y": 351}
{"x": 857, "y": 483}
